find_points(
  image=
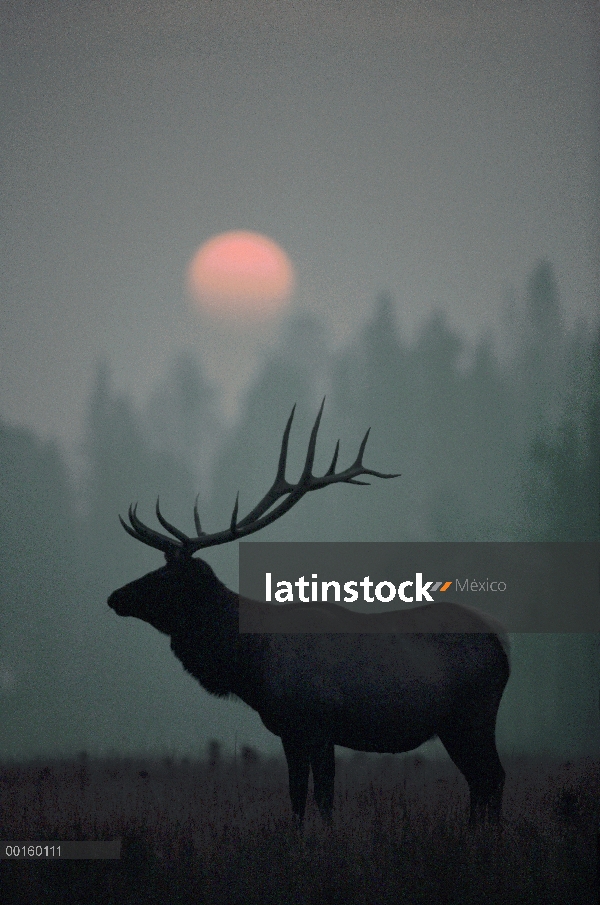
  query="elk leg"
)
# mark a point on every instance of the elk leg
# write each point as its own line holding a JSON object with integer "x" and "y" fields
{"x": 322, "y": 761}
{"x": 298, "y": 761}
{"x": 476, "y": 757}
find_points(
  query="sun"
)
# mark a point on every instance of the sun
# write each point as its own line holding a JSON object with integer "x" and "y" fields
{"x": 240, "y": 274}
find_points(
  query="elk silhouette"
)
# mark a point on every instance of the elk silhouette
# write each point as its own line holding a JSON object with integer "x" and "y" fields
{"x": 383, "y": 682}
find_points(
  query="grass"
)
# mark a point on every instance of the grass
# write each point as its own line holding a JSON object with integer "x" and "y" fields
{"x": 219, "y": 831}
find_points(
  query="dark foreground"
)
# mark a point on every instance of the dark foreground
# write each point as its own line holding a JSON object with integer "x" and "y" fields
{"x": 219, "y": 831}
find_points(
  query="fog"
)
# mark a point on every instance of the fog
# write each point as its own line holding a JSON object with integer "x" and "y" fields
{"x": 488, "y": 450}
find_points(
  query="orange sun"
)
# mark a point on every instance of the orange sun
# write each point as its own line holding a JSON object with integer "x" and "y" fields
{"x": 240, "y": 273}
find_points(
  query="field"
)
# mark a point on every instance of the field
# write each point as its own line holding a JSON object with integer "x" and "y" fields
{"x": 218, "y": 830}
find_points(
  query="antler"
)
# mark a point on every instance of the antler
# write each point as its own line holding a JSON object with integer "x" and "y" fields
{"x": 259, "y": 517}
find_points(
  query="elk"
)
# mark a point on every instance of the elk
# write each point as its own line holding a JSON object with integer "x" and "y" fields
{"x": 380, "y": 682}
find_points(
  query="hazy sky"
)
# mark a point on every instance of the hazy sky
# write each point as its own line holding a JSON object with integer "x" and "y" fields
{"x": 434, "y": 150}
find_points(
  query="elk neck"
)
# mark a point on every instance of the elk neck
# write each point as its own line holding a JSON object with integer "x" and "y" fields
{"x": 212, "y": 650}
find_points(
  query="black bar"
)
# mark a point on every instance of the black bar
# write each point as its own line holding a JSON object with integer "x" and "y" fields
{"x": 59, "y": 850}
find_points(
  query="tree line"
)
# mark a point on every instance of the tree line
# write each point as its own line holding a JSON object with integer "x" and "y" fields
{"x": 493, "y": 444}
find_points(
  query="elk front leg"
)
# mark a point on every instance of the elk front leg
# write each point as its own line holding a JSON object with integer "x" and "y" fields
{"x": 298, "y": 761}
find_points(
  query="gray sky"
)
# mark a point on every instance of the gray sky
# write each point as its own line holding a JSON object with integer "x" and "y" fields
{"x": 434, "y": 150}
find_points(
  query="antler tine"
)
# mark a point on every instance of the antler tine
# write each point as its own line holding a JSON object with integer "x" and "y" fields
{"x": 148, "y": 535}
{"x": 280, "y": 484}
{"x": 310, "y": 455}
{"x": 357, "y": 466}
{"x": 199, "y": 530}
{"x": 380, "y": 474}
{"x": 280, "y": 476}
{"x": 361, "y": 450}
{"x": 128, "y": 529}
{"x": 170, "y": 528}
{"x": 331, "y": 469}
{"x": 360, "y": 469}
{"x": 233, "y": 524}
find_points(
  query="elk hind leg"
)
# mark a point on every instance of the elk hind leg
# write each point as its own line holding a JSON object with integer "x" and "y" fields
{"x": 322, "y": 760}
{"x": 476, "y": 756}
{"x": 298, "y": 761}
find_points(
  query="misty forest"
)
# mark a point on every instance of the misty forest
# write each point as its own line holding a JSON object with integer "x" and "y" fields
{"x": 495, "y": 443}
